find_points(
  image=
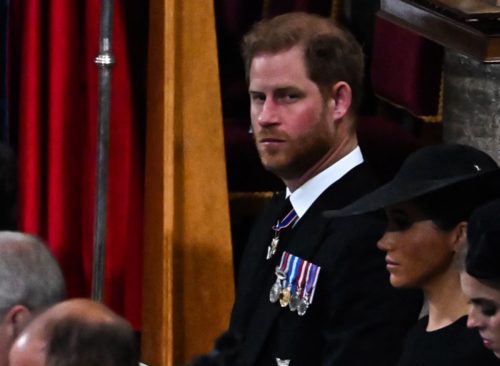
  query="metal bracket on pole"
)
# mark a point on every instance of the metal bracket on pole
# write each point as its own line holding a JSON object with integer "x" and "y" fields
{"x": 104, "y": 61}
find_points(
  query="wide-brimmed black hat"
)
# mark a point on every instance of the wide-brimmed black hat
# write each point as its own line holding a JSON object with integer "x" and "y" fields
{"x": 483, "y": 234}
{"x": 425, "y": 171}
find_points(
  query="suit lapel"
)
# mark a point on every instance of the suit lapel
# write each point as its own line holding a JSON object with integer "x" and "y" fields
{"x": 306, "y": 239}
{"x": 255, "y": 268}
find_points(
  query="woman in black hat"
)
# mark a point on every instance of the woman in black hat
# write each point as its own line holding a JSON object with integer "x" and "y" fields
{"x": 481, "y": 279}
{"x": 427, "y": 205}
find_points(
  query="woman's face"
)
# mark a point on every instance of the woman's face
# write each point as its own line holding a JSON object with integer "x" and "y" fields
{"x": 484, "y": 313}
{"x": 418, "y": 252}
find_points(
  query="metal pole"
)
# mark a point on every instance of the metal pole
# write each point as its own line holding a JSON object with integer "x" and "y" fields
{"x": 104, "y": 61}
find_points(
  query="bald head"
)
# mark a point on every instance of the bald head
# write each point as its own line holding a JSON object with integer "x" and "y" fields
{"x": 73, "y": 333}
{"x": 83, "y": 309}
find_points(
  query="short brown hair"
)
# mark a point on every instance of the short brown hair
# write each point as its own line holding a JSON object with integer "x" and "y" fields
{"x": 332, "y": 54}
{"x": 77, "y": 342}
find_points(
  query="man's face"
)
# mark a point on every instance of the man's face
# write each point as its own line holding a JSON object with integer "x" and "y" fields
{"x": 291, "y": 121}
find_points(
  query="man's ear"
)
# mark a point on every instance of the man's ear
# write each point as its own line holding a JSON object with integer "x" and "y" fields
{"x": 16, "y": 318}
{"x": 342, "y": 97}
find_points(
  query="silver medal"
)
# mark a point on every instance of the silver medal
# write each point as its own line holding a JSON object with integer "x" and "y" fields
{"x": 294, "y": 300}
{"x": 281, "y": 362}
{"x": 302, "y": 307}
{"x": 274, "y": 294}
{"x": 271, "y": 249}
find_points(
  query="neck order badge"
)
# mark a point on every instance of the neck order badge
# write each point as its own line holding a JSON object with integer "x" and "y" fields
{"x": 290, "y": 218}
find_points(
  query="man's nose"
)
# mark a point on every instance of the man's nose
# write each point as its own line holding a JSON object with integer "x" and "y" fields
{"x": 269, "y": 113}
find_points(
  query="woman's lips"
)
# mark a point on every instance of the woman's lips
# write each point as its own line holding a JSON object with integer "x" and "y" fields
{"x": 390, "y": 264}
{"x": 487, "y": 343}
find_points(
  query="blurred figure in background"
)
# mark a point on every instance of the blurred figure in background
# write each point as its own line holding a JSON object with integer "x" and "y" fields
{"x": 76, "y": 332}
{"x": 481, "y": 278}
{"x": 30, "y": 281}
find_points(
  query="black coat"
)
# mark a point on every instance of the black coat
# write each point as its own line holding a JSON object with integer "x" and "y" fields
{"x": 356, "y": 317}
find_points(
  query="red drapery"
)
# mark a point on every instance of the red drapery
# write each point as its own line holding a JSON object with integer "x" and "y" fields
{"x": 53, "y": 85}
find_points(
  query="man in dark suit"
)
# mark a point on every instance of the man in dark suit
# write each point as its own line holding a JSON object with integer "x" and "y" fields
{"x": 310, "y": 290}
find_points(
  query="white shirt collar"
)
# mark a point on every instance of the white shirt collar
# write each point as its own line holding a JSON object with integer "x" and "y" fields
{"x": 304, "y": 196}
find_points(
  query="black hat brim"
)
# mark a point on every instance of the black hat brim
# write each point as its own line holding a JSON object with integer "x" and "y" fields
{"x": 401, "y": 190}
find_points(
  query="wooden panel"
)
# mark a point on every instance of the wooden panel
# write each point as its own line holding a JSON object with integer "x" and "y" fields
{"x": 442, "y": 29}
{"x": 469, "y": 8}
{"x": 188, "y": 288}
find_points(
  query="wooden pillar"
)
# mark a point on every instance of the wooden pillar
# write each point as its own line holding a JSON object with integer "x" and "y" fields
{"x": 188, "y": 280}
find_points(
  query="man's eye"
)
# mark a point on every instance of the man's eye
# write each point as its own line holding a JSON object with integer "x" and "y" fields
{"x": 287, "y": 96}
{"x": 260, "y": 98}
{"x": 290, "y": 97}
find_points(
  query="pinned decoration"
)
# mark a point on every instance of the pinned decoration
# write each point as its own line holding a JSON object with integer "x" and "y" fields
{"x": 287, "y": 221}
{"x": 295, "y": 285}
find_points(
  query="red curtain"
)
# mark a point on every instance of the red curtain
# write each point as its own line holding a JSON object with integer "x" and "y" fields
{"x": 53, "y": 84}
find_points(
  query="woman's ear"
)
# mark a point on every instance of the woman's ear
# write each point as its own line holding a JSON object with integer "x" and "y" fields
{"x": 459, "y": 236}
{"x": 342, "y": 98}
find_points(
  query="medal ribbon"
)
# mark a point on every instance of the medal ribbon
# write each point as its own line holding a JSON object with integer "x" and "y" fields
{"x": 287, "y": 267}
{"x": 312, "y": 280}
{"x": 293, "y": 272}
{"x": 288, "y": 220}
{"x": 284, "y": 260}
{"x": 316, "y": 276}
{"x": 309, "y": 281}
{"x": 304, "y": 266}
{"x": 299, "y": 275}
{"x": 308, "y": 276}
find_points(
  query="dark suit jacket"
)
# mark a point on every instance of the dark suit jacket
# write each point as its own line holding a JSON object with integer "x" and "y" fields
{"x": 356, "y": 317}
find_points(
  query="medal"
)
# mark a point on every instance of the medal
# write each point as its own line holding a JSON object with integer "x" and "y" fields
{"x": 271, "y": 249}
{"x": 285, "y": 296}
{"x": 297, "y": 269}
{"x": 274, "y": 294}
{"x": 311, "y": 281}
{"x": 302, "y": 307}
{"x": 287, "y": 221}
{"x": 280, "y": 362}
{"x": 280, "y": 273}
{"x": 294, "y": 300}
{"x": 286, "y": 293}
{"x": 295, "y": 284}
{"x": 298, "y": 285}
